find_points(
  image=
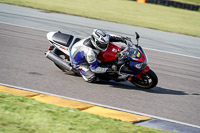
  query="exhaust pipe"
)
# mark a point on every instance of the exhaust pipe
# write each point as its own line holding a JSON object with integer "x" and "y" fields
{"x": 57, "y": 60}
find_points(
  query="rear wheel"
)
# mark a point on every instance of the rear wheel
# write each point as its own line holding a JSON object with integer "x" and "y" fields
{"x": 148, "y": 80}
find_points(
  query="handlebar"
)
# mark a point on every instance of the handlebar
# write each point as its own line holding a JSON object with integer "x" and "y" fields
{"x": 129, "y": 49}
{"x": 129, "y": 43}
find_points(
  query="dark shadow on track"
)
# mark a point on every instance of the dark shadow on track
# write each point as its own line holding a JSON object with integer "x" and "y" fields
{"x": 129, "y": 86}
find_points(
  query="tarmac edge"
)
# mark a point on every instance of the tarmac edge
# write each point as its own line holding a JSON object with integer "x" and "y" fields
{"x": 104, "y": 110}
{"x": 65, "y": 102}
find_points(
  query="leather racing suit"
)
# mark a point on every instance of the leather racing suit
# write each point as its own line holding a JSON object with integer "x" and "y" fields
{"x": 84, "y": 57}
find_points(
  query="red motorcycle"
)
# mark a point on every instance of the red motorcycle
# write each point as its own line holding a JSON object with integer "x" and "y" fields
{"x": 129, "y": 63}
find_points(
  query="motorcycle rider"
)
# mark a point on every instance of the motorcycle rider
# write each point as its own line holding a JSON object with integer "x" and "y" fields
{"x": 84, "y": 53}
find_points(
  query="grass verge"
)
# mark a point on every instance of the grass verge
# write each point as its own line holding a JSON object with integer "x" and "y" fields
{"x": 123, "y": 11}
{"x": 25, "y": 115}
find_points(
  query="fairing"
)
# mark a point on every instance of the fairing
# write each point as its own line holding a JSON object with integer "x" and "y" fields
{"x": 109, "y": 54}
{"x": 135, "y": 54}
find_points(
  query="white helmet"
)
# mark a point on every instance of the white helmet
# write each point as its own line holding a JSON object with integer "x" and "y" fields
{"x": 100, "y": 40}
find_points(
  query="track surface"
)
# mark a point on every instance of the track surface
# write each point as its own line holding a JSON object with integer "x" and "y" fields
{"x": 176, "y": 97}
{"x": 83, "y": 27}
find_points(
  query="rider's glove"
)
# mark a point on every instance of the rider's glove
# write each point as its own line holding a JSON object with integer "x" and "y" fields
{"x": 125, "y": 39}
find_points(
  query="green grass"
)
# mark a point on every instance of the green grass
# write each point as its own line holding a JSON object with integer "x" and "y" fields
{"x": 25, "y": 115}
{"x": 123, "y": 11}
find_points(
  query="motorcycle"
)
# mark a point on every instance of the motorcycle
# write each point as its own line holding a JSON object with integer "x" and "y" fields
{"x": 128, "y": 63}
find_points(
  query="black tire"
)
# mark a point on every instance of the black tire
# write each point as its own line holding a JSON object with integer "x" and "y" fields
{"x": 148, "y": 80}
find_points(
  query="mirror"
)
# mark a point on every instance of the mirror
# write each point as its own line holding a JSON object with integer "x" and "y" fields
{"x": 137, "y": 37}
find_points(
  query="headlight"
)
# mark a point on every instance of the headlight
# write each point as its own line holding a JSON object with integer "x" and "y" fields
{"x": 141, "y": 66}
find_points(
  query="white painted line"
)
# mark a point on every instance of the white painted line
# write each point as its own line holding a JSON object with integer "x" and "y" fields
{"x": 106, "y": 106}
{"x": 24, "y": 26}
{"x": 171, "y": 53}
{"x": 143, "y": 47}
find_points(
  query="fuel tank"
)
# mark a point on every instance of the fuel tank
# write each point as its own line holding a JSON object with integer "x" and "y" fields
{"x": 109, "y": 54}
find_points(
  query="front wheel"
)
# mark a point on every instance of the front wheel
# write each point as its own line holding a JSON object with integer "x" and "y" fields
{"x": 148, "y": 80}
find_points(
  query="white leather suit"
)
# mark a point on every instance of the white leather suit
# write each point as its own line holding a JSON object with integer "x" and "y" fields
{"x": 83, "y": 55}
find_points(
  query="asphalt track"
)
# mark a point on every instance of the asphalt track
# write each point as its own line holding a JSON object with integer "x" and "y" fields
{"x": 23, "y": 63}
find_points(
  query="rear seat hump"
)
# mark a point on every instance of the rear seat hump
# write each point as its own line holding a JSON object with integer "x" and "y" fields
{"x": 62, "y": 38}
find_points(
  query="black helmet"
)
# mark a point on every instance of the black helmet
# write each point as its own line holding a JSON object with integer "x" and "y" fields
{"x": 100, "y": 40}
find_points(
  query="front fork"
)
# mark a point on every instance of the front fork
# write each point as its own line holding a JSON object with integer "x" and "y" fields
{"x": 144, "y": 71}
{"x": 139, "y": 75}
